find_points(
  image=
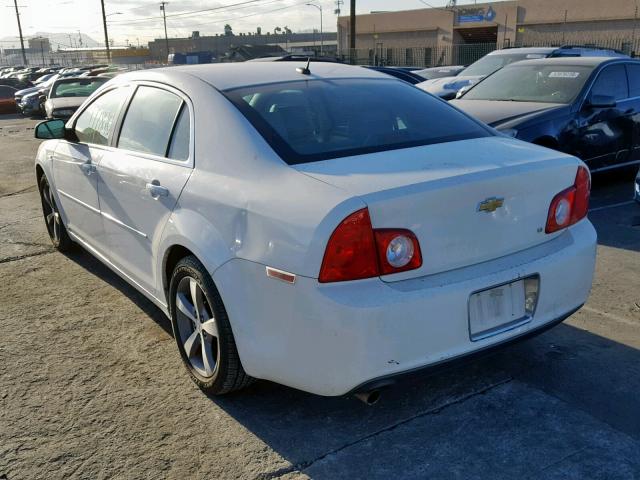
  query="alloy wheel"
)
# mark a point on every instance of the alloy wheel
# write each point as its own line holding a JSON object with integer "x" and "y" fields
{"x": 197, "y": 327}
{"x": 51, "y": 213}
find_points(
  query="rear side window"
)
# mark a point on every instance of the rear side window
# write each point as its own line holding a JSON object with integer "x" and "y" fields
{"x": 179, "y": 148}
{"x": 149, "y": 121}
{"x": 95, "y": 123}
{"x": 6, "y": 92}
{"x": 612, "y": 81}
{"x": 634, "y": 80}
{"x": 307, "y": 121}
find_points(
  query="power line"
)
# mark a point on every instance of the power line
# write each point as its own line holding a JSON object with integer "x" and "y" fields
{"x": 189, "y": 13}
{"x": 229, "y": 19}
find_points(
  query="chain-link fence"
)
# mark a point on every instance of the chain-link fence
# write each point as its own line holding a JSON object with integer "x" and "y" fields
{"x": 69, "y": 59}
{"x": 465, "y": 54}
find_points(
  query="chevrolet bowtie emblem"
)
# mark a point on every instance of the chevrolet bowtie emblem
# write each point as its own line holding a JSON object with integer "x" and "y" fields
{"x": 490, "y": 204}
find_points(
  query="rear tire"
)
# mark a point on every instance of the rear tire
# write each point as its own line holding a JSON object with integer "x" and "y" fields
{"x": 202, "y": 330}
{"x": 52, "y": 219}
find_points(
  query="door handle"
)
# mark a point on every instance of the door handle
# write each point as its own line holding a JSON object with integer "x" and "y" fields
{"x": 88, "y": 168}
{"x": 156, "y": 190}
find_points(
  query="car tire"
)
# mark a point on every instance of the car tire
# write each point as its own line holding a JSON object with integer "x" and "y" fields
{"x": 52, "y": 218}
{"x": 201, "y": 325}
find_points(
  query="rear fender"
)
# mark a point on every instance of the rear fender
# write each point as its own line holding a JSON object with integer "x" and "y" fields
{"x": 189, "y": 229}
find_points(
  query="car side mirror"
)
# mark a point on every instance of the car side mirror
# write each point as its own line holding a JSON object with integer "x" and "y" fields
{"x": 601, "y": 101}
{"x": 54, "y": 129}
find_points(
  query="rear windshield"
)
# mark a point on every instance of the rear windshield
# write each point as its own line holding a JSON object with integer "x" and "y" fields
{"x": 77, "y": 88}
{"x": 310, "y": 120}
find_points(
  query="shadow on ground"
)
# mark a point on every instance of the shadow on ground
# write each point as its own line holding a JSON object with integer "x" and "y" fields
{"x": 563, "y": 394}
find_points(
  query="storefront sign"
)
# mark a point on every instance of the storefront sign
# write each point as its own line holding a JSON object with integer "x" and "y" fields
{"x": 470, "y": 15}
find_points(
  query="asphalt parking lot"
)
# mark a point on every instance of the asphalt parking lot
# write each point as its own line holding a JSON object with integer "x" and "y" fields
{"x": 92, "y": 386}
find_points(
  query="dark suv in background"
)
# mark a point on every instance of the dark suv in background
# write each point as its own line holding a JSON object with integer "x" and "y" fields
{"x": 588, "y": 107}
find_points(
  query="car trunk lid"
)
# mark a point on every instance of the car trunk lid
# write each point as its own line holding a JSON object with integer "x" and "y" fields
{"x": 467, "y": 202}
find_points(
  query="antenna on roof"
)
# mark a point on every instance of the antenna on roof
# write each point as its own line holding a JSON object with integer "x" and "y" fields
{"x": 305, "y": 70}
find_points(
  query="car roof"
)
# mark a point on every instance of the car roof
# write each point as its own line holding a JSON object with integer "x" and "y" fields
{"x": 522, "y": 50}
{"x": 225, "y": 76}
{"x": 75, "y": 79}
{"x": 577, "y": 61}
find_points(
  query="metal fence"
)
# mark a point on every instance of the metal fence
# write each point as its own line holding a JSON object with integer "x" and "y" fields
{"x": 68, "y": 59}
{"x": 464, "y": 54}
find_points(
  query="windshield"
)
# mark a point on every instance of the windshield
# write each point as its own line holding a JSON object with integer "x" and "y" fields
{"x": 431, "y": 73}
{"x": 77, "y": 88}
{"x": 532, "y": 83}
{"x": 491, "y": 63}
{"x": 306, "y": 121}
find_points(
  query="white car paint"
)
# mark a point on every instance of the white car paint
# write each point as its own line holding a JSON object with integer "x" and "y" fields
{"x": 239, "y": 208}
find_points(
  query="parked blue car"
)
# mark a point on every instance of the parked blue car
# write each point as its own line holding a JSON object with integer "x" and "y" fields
{"x": 448, "y": 87}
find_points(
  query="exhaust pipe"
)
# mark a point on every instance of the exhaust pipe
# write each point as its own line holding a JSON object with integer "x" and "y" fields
{"x": 369, "y": 397}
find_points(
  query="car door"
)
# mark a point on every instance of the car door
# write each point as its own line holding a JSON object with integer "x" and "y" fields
{"x": 75, "y": 163}
{"x": 140, "y": 181}
{"x": 633, "y": 74}
{"x": 604, "y": 133}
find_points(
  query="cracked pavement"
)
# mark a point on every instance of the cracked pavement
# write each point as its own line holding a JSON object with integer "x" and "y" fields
{"x": 91, "y": 384}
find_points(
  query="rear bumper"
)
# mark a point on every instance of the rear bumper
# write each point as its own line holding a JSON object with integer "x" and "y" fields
{"x": 330, "y": 339}
{"x": 468, "y": 357}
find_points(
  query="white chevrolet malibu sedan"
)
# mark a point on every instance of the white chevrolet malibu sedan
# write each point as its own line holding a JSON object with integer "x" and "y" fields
{"x": 325, "y": 228}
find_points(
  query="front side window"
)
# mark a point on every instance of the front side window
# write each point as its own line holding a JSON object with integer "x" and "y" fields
{"x": 95, "y": 123}
{"x": 307, "y": 121}
{"x": 149, "y": 121}
{"x": 612, "y": 82}
{"x": 633, "y": 71}
{"x": 532, "y": 83}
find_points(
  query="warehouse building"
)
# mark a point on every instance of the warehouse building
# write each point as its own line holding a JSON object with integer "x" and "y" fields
{"x": 457, "y": 33}
{"x": 221, "y": 45}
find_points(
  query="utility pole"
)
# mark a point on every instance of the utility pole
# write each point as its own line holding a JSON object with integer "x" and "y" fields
{"x": 42, "y": 50}
{"x": 24, "y": 54}
{"x": 106, "y": 34}
{"x": 166, "y": 37}
{"x": 352, "y": 33}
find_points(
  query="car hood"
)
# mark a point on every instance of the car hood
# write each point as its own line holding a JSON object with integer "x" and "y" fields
{"x": 62, "y": 102}
{"x": 26, "y": 91}
{"x": 449, "y": 85}
{"x": 496, "y": 113}
{"x": 31, "y": 95}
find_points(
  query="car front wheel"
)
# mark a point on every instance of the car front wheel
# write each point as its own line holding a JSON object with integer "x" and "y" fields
{"x": 55, "y": 227}
{"x": 202, "y": 330}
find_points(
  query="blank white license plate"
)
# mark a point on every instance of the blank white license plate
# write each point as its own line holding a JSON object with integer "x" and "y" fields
{"x": 497, "y": 310}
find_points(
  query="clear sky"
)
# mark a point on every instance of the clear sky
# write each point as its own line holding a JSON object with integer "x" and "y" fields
{"x": 140, "y": 20}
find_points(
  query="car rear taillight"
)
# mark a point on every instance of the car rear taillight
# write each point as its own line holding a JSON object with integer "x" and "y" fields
{"x": 571, "y": 205}
{"x": 356, "y": 251}
{"x": 398, "y": 250}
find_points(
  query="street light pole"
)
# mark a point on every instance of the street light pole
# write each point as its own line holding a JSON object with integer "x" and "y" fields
{"x": 106, "y": 34}
{"x": 319, "y": 7}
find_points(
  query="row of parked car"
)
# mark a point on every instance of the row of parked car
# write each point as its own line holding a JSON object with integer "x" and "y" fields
{"x": 583, "y": 101}
{"x": 52, "y": 92}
